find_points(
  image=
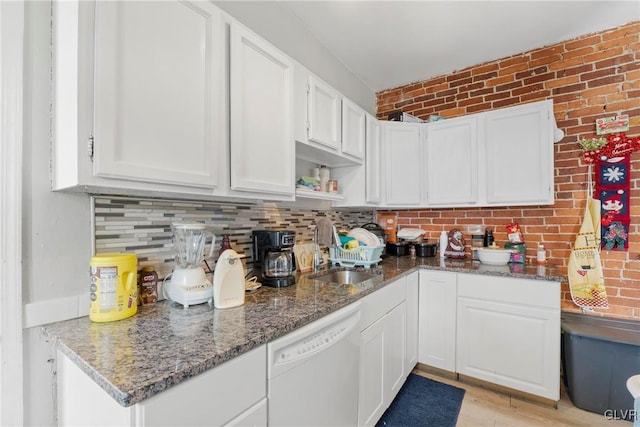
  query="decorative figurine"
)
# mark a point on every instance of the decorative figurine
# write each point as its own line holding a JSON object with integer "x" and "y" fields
{"x": 455, "y": 247}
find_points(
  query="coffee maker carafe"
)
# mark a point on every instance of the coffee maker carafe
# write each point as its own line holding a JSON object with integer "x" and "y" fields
{"x": 273, "y": 257}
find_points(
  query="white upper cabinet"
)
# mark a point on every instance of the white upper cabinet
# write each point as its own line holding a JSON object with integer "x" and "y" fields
{"x": 153, "y": 79}
{"x": 324, "y": 114}
{"x": 329, "y": 128}
{"x": 518, "y": 154}
{"x": 403, "y": 145}
{"x": 361, "y": 185}
{"x": 353, "y": 129}
{"x": 157, "y": 74}
{"x": 261, "y": 113}
{"x": 373, "y": 163}
{"x": 451, "y": 162}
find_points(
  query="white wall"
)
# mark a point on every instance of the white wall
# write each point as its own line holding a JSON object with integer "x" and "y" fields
{"x": 283, "y": 29}
{"x": 57, "y": 226}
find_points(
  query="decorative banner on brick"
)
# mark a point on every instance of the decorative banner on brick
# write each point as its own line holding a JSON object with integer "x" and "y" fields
{"x": 614, "y": 145}
{"x": 614, "y": 124}
{"x": 613, "y": 188}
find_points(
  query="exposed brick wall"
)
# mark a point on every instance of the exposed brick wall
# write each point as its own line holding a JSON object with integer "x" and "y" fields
{"x": 593, "y": 76}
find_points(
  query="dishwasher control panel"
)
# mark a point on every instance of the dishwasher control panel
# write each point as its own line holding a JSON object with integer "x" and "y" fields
{"x": 313, "y": 338}
{"x": 312, "y": 343}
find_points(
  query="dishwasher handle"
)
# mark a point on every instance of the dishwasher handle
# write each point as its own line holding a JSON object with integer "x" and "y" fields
{"x": 298, "y": 346}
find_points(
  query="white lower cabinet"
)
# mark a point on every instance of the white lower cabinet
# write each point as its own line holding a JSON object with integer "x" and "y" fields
{"x": 233, "y": 393}
{"x": 437, "y": 323}
{"x": 255, "y": 416}
{"x": 508, "y": 333}
{"x": 382, "y": 350}
{"x": 502, "y": 330}
{"x": 413, "y": 310}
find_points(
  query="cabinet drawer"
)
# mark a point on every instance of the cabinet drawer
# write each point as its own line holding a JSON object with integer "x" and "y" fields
{"x": 510, "y": 290}
{"x": 377, "y": 304}
{"x": 217, "y": 396}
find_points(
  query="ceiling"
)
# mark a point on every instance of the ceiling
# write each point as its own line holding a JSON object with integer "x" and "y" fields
{"x": 391, "y": 43}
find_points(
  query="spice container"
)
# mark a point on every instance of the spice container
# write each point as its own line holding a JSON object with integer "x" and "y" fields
{"x": 541, "y": 255}
{"x": 477, "y": 239}
{"x": 147, "y": 286}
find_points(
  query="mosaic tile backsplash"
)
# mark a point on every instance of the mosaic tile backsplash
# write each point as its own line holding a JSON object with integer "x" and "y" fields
{"x": 143, "y": 226}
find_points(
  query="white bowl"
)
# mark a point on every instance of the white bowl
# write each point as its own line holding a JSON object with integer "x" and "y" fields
{"x": 494, "y": 256}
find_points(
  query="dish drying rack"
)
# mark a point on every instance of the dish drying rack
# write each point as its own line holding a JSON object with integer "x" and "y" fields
{"x": 361, "y": 256}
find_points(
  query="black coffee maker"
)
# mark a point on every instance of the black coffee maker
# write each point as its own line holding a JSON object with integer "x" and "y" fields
{"x": 274, "y": 260}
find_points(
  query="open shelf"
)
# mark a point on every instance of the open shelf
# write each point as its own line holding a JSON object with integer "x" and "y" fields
{"x": 310, "y": 194}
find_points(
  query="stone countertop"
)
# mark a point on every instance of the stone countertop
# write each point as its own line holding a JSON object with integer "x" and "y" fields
{"x": 165, "y": 344}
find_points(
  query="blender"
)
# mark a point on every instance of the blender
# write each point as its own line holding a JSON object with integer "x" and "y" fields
{"x": 188, "y": 284}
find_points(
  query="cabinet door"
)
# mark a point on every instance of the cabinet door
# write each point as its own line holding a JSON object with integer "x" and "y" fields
{"x": 371, "y": 398}
{"x": 411, "y": 357}
{"x": 373, "y": 161}
{"x": 402, "y": 166}
{"x": 510, "y": 345}
{"x": 214, "y": 397}
{"x": 202, "y": 400}
{"x": 324, "y": 114}
{"x": 262, "y": 145}
{"x": 353, "y": 129}
{"x": 437, "y": 330}
{"x": 451, "y": 163}
{"x": 395, "y": 351}
{"x": 158, "y": 85}
{"x": 519, "y": 154}
{"x": 256, "y": 416}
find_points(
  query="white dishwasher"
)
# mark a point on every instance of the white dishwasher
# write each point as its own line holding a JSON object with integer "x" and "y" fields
{"x": 313, "y": 372}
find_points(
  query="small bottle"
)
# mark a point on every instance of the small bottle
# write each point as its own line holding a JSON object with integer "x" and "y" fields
{"x": 541, "y": 255}
{"x": 147, "y": 286}
{"x": 226, "y": 244}
{"x": 488, "y": 238}
{"x": 444, "y": 241}
{"x": 324, "y": 178}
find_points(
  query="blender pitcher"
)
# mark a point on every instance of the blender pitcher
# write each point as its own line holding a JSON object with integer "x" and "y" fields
{"x": 188, "y": 243}
{"x": 188, "y": 284}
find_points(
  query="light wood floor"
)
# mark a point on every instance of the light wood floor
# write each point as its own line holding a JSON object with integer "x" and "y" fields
{"x": 482, "y": 407}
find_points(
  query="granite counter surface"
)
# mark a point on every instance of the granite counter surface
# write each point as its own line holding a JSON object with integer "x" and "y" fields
{"x": 165, "y": 344}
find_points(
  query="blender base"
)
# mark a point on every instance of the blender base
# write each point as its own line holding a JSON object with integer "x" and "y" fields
{"x": 189, "y": 297}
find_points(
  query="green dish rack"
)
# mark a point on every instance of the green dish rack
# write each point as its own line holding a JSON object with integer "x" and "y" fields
{"x": 365, "y": 256}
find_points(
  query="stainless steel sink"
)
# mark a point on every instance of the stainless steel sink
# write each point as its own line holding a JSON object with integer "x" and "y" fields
{"x": 345, "y": 277}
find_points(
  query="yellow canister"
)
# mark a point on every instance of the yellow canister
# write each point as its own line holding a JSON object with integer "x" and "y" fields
{"x": 114, "y": 287}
